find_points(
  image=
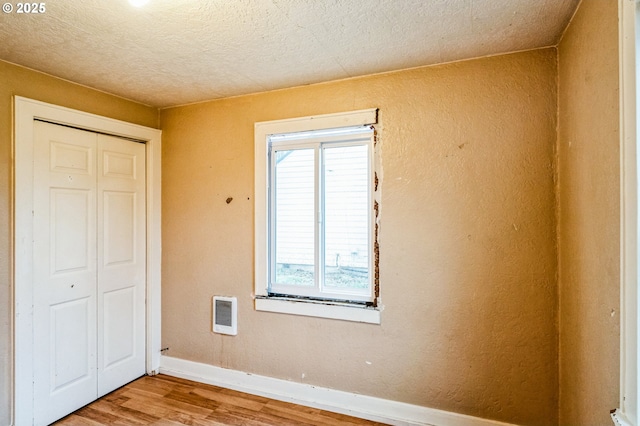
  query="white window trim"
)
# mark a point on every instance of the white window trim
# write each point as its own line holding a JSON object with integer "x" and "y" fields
{"x": 333, "y": 310}
{"x": 627, "y": 413}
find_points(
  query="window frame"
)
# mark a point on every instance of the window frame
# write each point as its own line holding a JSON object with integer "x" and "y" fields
{"x": 359, "y": 136}
{"x": 335, "y": 309}
{"x": 629, "y": 18}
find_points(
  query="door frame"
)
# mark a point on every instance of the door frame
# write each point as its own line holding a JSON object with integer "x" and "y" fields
{"x": 25, "y": 111}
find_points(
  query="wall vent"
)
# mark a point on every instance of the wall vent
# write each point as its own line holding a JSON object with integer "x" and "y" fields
{"x": 225, "y": 315}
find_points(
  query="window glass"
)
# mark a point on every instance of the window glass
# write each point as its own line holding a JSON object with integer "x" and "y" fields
{"x": 346, "y": 218}
{"x": 294, "y": 217}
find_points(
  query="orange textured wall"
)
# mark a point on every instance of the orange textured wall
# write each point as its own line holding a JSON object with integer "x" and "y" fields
{"x": 589, "y": 215}
{"x": 467, "y": 240}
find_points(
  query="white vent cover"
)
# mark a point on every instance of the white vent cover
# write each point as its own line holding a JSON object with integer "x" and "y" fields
{"x": 225, "y": 315}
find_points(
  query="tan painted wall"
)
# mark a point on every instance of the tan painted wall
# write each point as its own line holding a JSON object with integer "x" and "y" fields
{"x": 589, "y": 238}
{"x": 468, "y": 257}
{"x": 19, "y": 81}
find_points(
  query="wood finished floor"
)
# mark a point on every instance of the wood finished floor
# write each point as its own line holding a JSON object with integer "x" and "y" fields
{"x": 165, "y": 400}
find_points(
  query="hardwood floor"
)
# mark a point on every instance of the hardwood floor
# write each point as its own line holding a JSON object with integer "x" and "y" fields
{"x": 165, "y": 400}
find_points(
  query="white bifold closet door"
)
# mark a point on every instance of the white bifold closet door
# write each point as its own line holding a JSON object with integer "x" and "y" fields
{"x": 89, "y": 267}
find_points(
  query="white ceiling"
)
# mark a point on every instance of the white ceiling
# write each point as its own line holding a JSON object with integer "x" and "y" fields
{"x": 173, "y": 52}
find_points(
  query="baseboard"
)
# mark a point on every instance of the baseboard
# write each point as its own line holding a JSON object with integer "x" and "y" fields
{"x": 366, "y": 407}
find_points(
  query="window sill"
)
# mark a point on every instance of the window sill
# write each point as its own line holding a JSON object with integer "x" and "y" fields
{"x": 342, "y": 311}
{"x": 619, "y": 419}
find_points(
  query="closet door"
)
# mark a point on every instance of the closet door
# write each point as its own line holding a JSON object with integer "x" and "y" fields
{"x": 65, "y": 271}
{"x": 121, "y": 262}
{"x": 89, "y": 274}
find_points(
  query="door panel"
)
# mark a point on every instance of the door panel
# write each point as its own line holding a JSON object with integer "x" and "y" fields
{"x": 119, "y": 227}
{"x": 122, "y": 265}
{"x": 119, "y": 326}
{"x": 71, "y": 158}
{"x": 70, "y": 210}
{"x": 70, "y": 329}
{"x": 65, "y": 270}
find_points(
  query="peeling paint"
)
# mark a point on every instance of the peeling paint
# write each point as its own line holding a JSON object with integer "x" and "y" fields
{"x": 376, "y": 251}
{"x": 376, "y": 207}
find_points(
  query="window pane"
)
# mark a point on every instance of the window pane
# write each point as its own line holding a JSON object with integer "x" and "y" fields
{"x": 346, "y": 256}
{"x": 294, "y": 217}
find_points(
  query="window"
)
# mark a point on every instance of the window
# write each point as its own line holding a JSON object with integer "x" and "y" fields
{"x": 315, "y": 217}
{"x": 320, "y": 214}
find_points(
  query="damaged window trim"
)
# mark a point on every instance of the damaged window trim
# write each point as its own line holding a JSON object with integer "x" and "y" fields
{"x": 264, "y": 300}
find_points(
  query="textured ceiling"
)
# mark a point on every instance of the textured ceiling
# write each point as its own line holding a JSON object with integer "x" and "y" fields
{"x": 173, "y": 52}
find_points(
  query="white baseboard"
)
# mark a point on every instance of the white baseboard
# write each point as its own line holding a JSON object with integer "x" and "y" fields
{"x": 366, "y": 407}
